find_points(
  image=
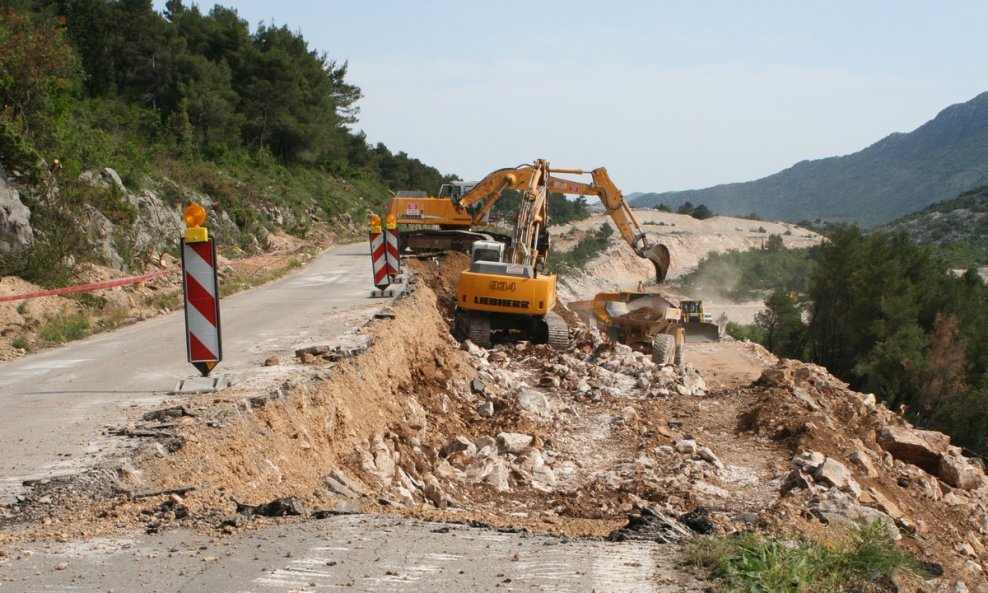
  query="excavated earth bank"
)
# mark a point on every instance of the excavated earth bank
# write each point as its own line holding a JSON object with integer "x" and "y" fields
{"x": 523, "y": 436}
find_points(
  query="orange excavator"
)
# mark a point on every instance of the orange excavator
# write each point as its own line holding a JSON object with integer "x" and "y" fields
{"x": 507, "y": 288}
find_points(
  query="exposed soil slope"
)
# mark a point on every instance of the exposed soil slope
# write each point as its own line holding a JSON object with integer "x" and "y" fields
{"x": 521, "y": 435}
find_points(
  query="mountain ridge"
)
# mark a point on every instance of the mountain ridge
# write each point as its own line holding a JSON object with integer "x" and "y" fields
{"x": 898, "y": 174}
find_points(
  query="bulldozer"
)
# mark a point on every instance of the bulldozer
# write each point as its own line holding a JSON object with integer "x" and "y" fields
{"x": 507, "y": 288}
{"x": 699, "y": 326}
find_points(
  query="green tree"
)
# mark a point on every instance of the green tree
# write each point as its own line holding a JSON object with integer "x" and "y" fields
{"x": 37, "y": 67}
{"x": 701, "y": 212}
{"x": 782, "y": 324}
{"x": 774, "y": 244}
{"x": 687, "y": 208}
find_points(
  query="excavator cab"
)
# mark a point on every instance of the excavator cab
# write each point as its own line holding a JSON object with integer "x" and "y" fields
{"x": 487, "y": 251}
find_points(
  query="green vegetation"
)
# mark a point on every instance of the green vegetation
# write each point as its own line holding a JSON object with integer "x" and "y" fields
{"x": 256, "y": 120}
{"x": 746, "y": 275}
{"x": 562, "y": 210}
{"x": 751, "y": 332}
{"x": 888, "y": 317}
{"x": 700, "y": 212}
{"x": 957, "y": 229}
{"x": 563, "y": 262}
{"x": 65, "y": 328}
{"x": 880, "y": 312}
{"x": 866, "y": 560}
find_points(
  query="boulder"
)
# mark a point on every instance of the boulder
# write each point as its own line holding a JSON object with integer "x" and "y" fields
{"x": 498, "y": 477}
{"x": 808, "y": 461}
{"x": 836, "y": 508}
{"x": 833, "y": 473}
{"x": 535, "y": 402}
{"x": 112, "y": 178}
{"x": 460, "y": 445}
{"x": 779, "y": 376}
{"x": 687, "y": 446}
{"x": 486, "y": 409}
{"x": 15, "y": 219}
{"x": 921, "y": 448}
{"x": 863, "y": 462}
{"x": 707, "y": 455}
{"x": 513, "y": 442}
{"x": 958, "y": 472}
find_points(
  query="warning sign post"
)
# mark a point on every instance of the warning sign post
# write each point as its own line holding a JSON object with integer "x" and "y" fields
{"x": 201, "y": 289}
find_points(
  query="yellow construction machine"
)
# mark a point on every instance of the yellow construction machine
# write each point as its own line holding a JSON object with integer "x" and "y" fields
{"x": 440, "y": 223}
{"x": 699, "y": 325}
{"x": 645, "y": 321}
{"x": 507, "y": 288}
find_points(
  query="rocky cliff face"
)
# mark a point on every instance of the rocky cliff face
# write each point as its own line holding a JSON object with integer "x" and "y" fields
{"x": 153, "y": 228}
{"x": 15, "y": 218}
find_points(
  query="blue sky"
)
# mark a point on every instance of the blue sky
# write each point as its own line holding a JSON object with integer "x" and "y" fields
{"x": 666, "y": 95}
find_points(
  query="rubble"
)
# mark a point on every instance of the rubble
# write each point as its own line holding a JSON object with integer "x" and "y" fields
{"x": 577, "y": 442}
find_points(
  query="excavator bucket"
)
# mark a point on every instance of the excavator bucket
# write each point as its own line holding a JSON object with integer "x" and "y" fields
{"x": 659, "y": 255}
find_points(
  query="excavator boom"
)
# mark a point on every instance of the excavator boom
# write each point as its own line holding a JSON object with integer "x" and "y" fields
{"x": 619, "y": 211}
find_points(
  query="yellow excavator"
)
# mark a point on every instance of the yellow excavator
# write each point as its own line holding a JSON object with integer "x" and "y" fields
{"x": 440, "y": 223}
{"x": 507, "y": 288}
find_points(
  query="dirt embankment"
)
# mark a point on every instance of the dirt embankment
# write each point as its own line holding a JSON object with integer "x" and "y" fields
{"x": 565, "y": 442}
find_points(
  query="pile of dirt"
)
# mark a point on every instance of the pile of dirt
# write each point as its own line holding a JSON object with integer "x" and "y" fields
{"x": 525, "y": 436}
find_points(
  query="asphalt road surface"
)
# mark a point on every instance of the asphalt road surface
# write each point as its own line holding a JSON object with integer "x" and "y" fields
{"x": 348, "y": 553}
{"x": 55, "y": 405}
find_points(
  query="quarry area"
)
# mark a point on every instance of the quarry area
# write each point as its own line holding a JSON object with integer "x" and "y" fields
{"x": 597, "y": 441}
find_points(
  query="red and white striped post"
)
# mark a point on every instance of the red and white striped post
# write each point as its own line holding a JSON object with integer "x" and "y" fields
{"x": 201, "y": 289}
{"x": 391, "y": 242}
{"x": 379, "y": 259}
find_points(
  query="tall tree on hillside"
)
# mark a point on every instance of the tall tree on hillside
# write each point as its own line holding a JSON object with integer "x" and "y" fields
{"x": 782, "y": 322}
{"x": 37, "y": 66}
{"x": 209, "y": 99}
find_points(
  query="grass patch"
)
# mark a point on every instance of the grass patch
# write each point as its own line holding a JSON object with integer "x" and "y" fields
{"x": 22, "y": 343}
{"x": 238, "y": 281}
{"x": 65, "y": 328}
{"x": 867, "y": 559}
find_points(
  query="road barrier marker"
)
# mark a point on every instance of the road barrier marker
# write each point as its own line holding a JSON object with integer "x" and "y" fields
{"x": 379, "y": 257}
{"x": 200, "y": 287}
{"x": 393, "y": 256}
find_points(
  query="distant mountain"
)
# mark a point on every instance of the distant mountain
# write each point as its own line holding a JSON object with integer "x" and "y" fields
{"x": 897, "y": 175}
{"x": 956, "y": 228}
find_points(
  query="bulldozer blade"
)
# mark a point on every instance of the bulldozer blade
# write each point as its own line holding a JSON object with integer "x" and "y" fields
{"x": 659, "y": 255}
{"x": 702, "y": 332}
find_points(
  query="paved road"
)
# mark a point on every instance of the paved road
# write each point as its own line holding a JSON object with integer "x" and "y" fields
{"x": 54, "y": 405}
{"x": 348, "y": 553}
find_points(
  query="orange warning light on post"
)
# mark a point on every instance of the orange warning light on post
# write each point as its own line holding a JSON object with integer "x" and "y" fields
{"x": 392, "y": 222}
{"x": 194, "y": 216}
{"x": 375, "y": 224}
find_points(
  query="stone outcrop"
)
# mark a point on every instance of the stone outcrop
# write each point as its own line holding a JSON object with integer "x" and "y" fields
{"x": 15, "y": 219}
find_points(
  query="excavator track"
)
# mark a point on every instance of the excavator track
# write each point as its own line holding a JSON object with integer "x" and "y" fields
{"x": 558, "y": 331}
{"x": 478, "y": 330}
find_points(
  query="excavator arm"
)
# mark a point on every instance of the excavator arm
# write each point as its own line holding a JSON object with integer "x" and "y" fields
{"x": 620, "y": 212}
{"x": 530, "y": 241}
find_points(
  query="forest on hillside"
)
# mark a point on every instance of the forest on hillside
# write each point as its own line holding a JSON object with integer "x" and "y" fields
{"x": 881, "y": 312}
{"x": 251, "y": 118}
